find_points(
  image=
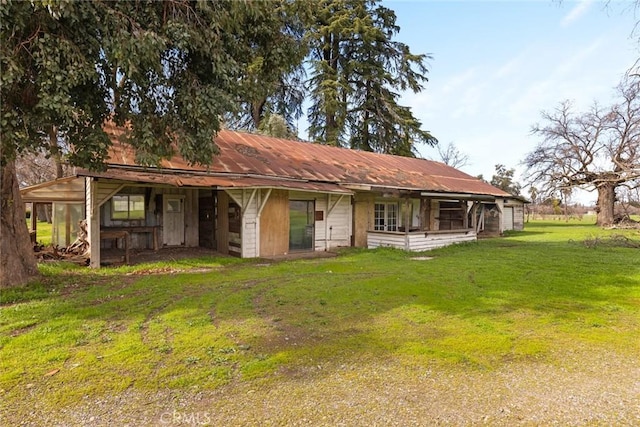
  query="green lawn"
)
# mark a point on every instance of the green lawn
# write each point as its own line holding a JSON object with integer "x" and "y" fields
{"x": 43, "y": 232}
{"x": 208, "y": 322}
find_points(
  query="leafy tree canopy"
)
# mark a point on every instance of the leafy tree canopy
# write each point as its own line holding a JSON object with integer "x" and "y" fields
{"x": 503, "y": 179}
{"x": 168, "y": 69}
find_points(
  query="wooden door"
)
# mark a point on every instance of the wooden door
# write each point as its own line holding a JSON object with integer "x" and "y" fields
{"x": 207, "y": 220}
{"x": 173, "y": 221}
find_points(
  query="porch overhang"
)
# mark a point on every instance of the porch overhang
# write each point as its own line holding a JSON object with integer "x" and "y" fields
{"x": 217, "y": 181}
{"x": 62, "y": 190}
{"x": 458, "y": 196}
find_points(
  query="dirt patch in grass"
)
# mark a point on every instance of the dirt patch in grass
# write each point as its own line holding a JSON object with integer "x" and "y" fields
{"x": 20, "y": 331}
{"x": 169, "y": 270}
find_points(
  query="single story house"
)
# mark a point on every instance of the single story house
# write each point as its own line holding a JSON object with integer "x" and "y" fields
{"x": 264, "y": 196}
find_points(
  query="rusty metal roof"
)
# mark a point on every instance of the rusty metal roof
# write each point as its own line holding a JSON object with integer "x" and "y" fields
{"x": 247, "y": 160}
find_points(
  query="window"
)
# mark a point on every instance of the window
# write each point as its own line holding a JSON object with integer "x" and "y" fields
{"x": 385, "y": 217}
{"x": 174, "y": 206}
{"x": 127, "y": 207}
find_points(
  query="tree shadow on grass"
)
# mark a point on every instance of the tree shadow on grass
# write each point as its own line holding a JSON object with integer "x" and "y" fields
{"x": 253, "y": 322}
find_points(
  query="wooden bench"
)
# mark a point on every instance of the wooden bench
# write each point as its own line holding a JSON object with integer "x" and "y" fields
{"x": 153, "y": 230}
{"x": 118, "y": 234}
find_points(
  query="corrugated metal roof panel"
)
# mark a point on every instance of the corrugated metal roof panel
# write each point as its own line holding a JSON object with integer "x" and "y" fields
{"x": 69, "y": 189}
{"x": 244, "y": 153}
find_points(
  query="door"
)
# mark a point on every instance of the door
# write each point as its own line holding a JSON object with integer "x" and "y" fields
{"x": 207, "y": 219}
{"x": 173, "y": 221}
{"x": 235, "y": 229}
{"x": 508, "y": 219}
{"x": 301, "y": 224}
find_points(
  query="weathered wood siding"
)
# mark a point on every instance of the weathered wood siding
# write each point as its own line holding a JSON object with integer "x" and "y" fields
{"x": 418, "y": 241}
{"x": 377, "y": 239}
{"x": 154, "y": 196}
{"x": 434, "y": 215}
{"x": 191, "y": 220}
{"x": 362, "y": 218}
{"x": 507, "y": 218}
{"x": 249, "y": 207}
{"x": 513, "y": 215}
{"x": 335, "y": 230}
{"x": 222, "y": 231}
{"x": 518, "y": 217}
{"x": 93, "y": 221}
{"x": 274, "y": 224}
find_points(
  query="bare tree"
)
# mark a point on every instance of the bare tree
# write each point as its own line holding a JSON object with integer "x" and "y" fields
{"x": 629, "y": 199}
{"x": 598, "y": 149}
{"x": 451, "y": 156}
{"x": 34, "y": 168}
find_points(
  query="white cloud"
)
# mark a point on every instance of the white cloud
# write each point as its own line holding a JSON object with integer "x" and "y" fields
{"x": 576, "y": 13}
{"x": 512, "y": 66}
{"x": 573, "y": 63}
{"x": 565, "y": 80}
{"x": 459, "y": 80}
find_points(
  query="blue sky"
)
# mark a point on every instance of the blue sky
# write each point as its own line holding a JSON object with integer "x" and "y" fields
{"x": 497, "y": 64}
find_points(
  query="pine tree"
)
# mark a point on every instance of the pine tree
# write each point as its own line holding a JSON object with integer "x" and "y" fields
{"x": 358, "y": 72}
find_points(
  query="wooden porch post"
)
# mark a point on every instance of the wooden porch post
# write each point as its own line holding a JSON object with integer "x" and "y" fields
{"x": 93, "y": 221}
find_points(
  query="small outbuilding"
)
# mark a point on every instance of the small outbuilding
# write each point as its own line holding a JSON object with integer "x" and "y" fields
{"x": 514, "y": 213}
{"x": 67, "y": 199}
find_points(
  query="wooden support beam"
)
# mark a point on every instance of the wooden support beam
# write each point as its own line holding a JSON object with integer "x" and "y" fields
{"x": 251, "y": 197}
{"x": 332, "y": 207}
{"x": 264, "y": 202}
{"x": 109, "y": 196}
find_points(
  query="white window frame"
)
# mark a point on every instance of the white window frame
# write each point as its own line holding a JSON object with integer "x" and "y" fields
{"x": 118, "y": 214}
{"x": 386, "y": 216}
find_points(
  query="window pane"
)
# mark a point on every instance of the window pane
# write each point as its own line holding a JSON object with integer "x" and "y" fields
{"x": 120, "y": 203}
{"x": 120, "y": 207}
{"x": 392, "y": 217}
{"x": 127, "y": 206}
{"x": 378, "y": 221}
{"x": 136, "y": 206}
{"x": 173, "y": 206}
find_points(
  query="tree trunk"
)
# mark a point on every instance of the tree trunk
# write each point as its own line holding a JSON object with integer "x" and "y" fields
{"x": 54, "y": 148}
{"x": 17, "y": 263}
{"x": 606, "y": 201}
{"x": 257, "y": 111}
